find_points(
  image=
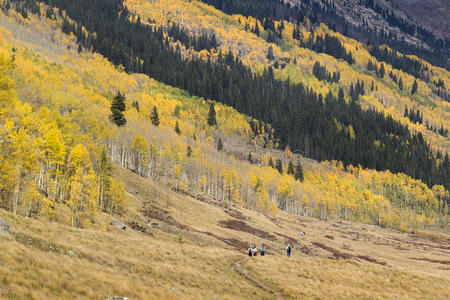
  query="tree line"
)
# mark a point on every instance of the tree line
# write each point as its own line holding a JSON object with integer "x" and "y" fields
{"x": 401, "y": 62}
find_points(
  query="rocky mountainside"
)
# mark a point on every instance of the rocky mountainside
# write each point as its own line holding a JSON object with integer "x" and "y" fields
{"x": 433, "y": 14}
{"x": 403, "y": 25}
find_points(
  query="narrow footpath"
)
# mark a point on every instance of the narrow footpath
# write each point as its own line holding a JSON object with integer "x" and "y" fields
{"x": 238, "y": 267}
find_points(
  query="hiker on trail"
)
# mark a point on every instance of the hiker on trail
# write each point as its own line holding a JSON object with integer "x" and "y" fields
{"x": 288, "y": 250}
{"x": 303, "y": 233}
{"x": 262, "y": 250}
{"x": 250, "y": 251}
{"x": 255, "y": 251}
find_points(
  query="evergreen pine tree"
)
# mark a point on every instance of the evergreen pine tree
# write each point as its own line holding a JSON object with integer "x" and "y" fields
{"x": 414, "y": 88}
{"x": 220, "y": 145}
{"x": 279, "y": 166}
{"x": 271, "y": 163}
{"x": 189, "y": 151}
{"x": 256, "y": 30}
{"x": 299, "y": 172}
{"x": 135, "y": 105}
{"x": 117, "y": 109}
{"x": 382, "y": 71}
{"x": 154, "y": 117}
{"x": 270, "y": 53}
{"x": 212, "y": 121}
{"x": 291, "y": 170}
{"x": 177, "y": 128}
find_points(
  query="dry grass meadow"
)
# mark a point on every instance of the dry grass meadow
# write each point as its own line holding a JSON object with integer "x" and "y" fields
{"x": 182, "y": 247}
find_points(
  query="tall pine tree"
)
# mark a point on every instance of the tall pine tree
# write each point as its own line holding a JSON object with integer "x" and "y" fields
{"x": 117, "y": 109}
{"x": 212, "y": 121}
{"x": 154, "y": 117}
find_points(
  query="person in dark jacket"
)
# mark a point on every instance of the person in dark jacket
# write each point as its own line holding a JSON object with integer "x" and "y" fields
{"x": 262, "y": 250}
{"x": 288, "y": 250}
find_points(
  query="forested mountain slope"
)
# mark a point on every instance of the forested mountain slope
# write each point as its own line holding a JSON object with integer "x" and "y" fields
{"x": 380, "y": 21}
{"x": 205, "y": 133}
{"x": 229, "y": 78}
{"x": 172, "y": 137}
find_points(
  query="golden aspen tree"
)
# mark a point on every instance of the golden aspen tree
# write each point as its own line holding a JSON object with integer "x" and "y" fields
{"x": 82, "y": 187}
{"x": 54, "y": 155}
{"x": 118, "y": 200}
{"x": 141, "y": 154}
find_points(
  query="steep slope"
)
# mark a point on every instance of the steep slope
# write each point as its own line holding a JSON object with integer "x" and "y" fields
{"x": 369, "y": 20}
{"x": 295, "y": 63}
{"x": 193, "y": 195}
{"x": 389, "y": 145}
{"x": 432, "y": 14}
{"x": 64, "y": 85}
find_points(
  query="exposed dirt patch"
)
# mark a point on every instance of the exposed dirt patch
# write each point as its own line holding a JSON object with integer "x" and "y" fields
{"x": 440, "y": 246}
{"x": 289, "y": 239}
{"x": 236, "y": 214}
{"x": 235, "y": 243}
{"x": 162, "y": 215}
{"x": 305, "y": 249}
{"x": 138, "y": 227}
{"x": 370, "y": 259}
{"x": 242, "y": 226}
{"x": 444, "y": 262}
{"x": 338, "y": 254}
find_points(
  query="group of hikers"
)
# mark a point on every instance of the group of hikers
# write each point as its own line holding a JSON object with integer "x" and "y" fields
{"x": 253, "y": 251}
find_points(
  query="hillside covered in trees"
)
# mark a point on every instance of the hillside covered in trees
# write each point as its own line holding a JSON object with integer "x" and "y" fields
{"x": 155, "y": 112}
{"x": 200, "y": 152}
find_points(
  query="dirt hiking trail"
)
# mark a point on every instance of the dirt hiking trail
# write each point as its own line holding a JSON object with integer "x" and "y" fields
{"x": 238, "y": 267}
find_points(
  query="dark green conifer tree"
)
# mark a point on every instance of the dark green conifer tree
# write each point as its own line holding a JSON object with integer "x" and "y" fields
{"x": 414, "y": 88}
{"x": 177, "y": 128}
{"x": 154, "y": 117}
{"x": 291, "y": 169}
{"x": 279, "y": 166}
{"x": 212, "y": 121}
{"x": 117, "y": 109}
{"x": 270, "y": 55}
{"x": 299, "y": 172}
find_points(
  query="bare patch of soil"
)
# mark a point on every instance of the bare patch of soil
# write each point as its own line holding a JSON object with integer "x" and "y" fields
{"x": 371, "y": 259}
{"x": 444, "y": 262}
{"x": 305, "y": 249}
{"x": 289, "y": 239}
{"x": 440, "y": 246}
{"x": 338, "y": 254}
{"x": 138, "y": 227}
{"x": 162, "y": 215}
{"x": 242, "y": 226}
{"x": 235, "y": 243}
{"x": 236, "y": 214}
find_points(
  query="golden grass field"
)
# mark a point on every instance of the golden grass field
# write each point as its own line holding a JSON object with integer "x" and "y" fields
{"x": 187, "y": 248}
